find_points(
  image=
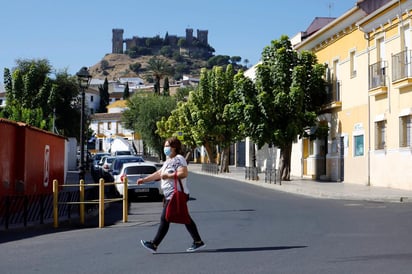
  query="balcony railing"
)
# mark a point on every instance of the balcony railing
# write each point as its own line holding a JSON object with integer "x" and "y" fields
{"x": 401, "y": 65}
{"x": 377, "y": 74}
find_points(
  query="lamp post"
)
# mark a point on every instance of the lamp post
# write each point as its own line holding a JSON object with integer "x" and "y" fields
{"x": 83, "y": 78}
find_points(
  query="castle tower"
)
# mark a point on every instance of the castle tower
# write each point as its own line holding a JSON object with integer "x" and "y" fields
{"x": 202, "y": 36}
{"x": 117, "y": 41}
{"x": 189, "y": 36}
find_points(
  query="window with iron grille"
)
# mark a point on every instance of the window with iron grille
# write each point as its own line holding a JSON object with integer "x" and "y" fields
{"x": 380, "y": 134}
{"x": 405, "y": 128}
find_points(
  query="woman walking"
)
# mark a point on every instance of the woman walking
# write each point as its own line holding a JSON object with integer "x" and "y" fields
{"x": 175, "y": 163}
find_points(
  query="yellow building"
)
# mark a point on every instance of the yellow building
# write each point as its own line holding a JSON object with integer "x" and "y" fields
{"x": 369, "y": 111}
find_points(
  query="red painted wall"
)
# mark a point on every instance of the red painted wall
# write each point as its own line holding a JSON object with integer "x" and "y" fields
{"x": 8, "y": 133}
{"x": 31, "y": 159}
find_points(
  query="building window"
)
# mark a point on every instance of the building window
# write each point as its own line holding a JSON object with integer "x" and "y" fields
{"x": 109, "y": 125}
{"x": 352, "y": 64}
{"x": 358, "y": 142}
{"x": 405, "y": 37}
{"x": 91, "y": 98}
{"x": 119, "y": 127}
{"x": 405, "y": 131}
{"x": 380, "y": 46}
{"x": 336, "y": 82}
{"x": 380, "y": 134}
{"x": 100, "y": 128}
{"x": 311, "y": 147}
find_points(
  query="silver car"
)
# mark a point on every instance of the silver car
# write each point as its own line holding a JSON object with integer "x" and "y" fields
{"x": 133, "y": 172}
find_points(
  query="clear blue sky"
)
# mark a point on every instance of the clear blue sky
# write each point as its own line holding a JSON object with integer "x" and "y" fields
{"x": 76, "y": 33}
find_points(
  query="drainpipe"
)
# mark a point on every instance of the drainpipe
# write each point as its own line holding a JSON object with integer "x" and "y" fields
{"x": 367, "y": 37}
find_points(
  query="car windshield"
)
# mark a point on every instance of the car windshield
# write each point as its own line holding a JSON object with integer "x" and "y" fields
{"x": 140, "y": 170}
{"x": 97, "y": 157}
{"x": 110, "y": 160}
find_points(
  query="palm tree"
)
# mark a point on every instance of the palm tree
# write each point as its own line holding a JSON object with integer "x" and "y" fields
{"x": 159, "y": 68}
{"x": 246, "y": 61}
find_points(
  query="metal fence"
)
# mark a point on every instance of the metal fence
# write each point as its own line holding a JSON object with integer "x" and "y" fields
{"x": 24, "y": 210}
{"x": 270, "y": 176}
{"x": 210, "y": 168}
{"x": 251, "y": 173}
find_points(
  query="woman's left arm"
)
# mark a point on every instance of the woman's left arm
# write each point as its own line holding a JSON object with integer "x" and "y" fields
{"x": 182, "y": 172}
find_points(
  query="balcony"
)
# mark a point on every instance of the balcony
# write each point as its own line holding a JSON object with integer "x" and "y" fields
{"x": 333, "y": 99}
{"x": 377, "y": 78}
{"x": 402, "y": 69}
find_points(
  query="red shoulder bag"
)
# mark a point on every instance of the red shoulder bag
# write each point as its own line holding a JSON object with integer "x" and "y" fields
{"x": 177, "y": 210}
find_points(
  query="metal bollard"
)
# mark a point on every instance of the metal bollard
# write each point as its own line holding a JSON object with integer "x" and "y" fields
{"x": 101, "y": 203}
{"x": 55, "y": 204}
{"x": 81, "y": 206}
{"x": 125, "y": 198}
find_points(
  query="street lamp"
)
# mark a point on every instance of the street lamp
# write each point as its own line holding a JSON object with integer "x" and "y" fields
{"x": 83, "y": 78}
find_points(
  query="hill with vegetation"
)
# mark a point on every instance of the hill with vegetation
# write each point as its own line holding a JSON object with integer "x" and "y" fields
{"x": 182, "y": 60}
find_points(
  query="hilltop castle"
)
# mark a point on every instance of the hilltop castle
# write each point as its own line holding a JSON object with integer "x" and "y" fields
{"x": 118, "y": 42}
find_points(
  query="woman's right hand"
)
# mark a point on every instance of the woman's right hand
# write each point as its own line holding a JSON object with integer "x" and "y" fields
{"x": 139, "y": 181}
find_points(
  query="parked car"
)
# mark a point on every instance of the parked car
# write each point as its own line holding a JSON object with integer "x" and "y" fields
{"x": 120, "y": 160}
{"x": 134, "y": 171}
{"x": 105, "y": 164}
{"x": 95, "y": 164}
{"x": 122, "y": 152}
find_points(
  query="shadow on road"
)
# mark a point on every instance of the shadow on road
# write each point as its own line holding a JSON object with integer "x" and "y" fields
{"x": 240, "y": 249}
{"x": 113, "y": 215}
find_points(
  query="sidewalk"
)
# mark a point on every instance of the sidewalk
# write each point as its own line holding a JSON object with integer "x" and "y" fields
{"x": 317, "y": 189}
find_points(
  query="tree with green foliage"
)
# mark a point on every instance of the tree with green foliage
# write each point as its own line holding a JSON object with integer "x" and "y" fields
{"x": 27, "y": 91}
{"x": 104, "y": 64}
{"x": 159, "y": 68}
{"x": 143, "y": 112}
{"x": 246, "y": 62}
{"x": 65, "y": 91}
{"x": 36, "y": 99}
{"x": 179, "y": 124}
{"x": 287, "y": 96}
{"x": 218, "y": 60}
{"x": 235, "y": 59}
{"x": 126, "y": 92}
{"x": 104, "y": 96}
{"x": 166, "y": 87}
{"x": 182, "y": 93}
{"x": 182, "y": 43}
{"x": 135, "y": 67}
{"x": 206, "y": 118}
{"x": 166, "y": 51}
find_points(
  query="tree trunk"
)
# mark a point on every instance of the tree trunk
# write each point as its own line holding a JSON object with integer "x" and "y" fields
{"x": 284, "y": 162}
{"x": 210, "y": 154}
{"x": 224, "y": 160}
{"x": 188, "y": 156}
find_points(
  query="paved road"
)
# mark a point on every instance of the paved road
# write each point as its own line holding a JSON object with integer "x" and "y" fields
{"x": 319, "y": 189}
{"x": 247, "y": 228}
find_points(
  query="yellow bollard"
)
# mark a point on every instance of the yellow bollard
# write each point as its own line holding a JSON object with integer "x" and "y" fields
{"x": 125, "y": 198}
{"x": 81, "y": 207}
{"x": 55, "y": 204}
{"x": 101, "y": 203}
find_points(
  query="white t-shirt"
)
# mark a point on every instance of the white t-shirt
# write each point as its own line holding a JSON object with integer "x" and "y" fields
{"x": 170, "y": 166}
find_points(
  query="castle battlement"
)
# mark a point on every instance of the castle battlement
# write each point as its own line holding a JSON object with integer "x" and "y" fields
{"x": 120, "y": 45}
